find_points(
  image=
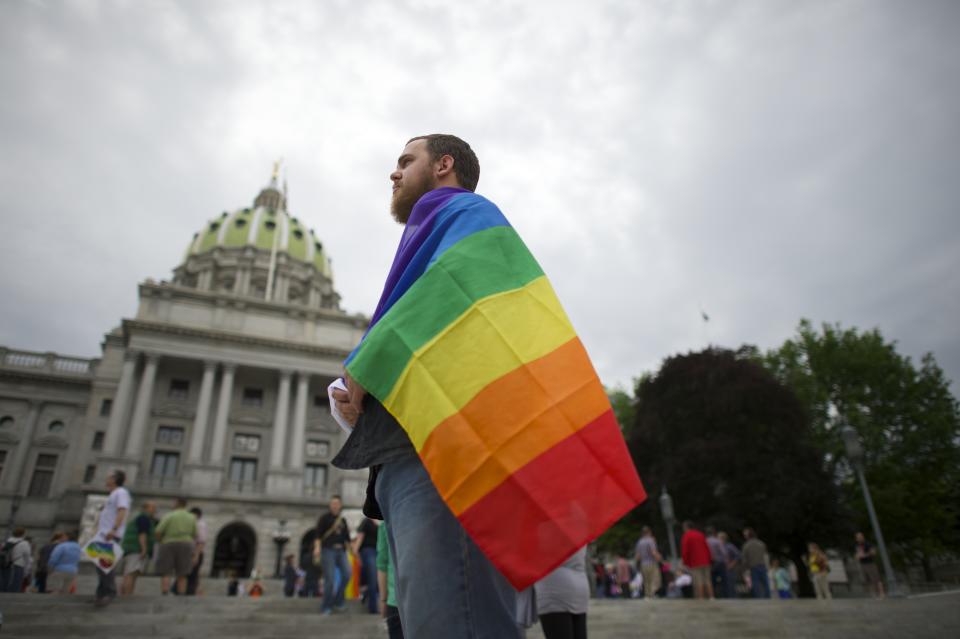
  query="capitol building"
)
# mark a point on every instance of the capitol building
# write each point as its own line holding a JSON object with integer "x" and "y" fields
{"x": 216, "y": 391}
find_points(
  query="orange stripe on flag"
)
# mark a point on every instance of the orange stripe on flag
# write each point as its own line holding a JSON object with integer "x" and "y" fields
{"x": 543, "y": 513}
{"x": 512, "y": 421}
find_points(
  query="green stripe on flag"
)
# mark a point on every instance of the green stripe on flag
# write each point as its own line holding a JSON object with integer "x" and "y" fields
{"x": 482, "y": 264}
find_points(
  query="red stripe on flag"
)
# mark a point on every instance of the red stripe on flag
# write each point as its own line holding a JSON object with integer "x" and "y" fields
{"x": 560, "y": 501}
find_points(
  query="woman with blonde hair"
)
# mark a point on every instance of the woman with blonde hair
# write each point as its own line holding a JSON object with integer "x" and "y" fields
{"x": 819, "y": 570}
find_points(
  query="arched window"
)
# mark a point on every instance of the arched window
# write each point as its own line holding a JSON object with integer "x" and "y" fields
{"x": 6, "y": 421}
{"x": 56, "y": 427}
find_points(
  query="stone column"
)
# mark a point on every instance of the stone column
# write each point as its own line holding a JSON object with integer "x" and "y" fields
{"x": 223, "y": 412}
{"x": 199, "y": 433}
{"x": 299, "y": 422}
{"x": 121, "y": 404}
{"x": 280, "y": 421}
{"x": 13, "y": 474}
{"x": 141, "y": 411}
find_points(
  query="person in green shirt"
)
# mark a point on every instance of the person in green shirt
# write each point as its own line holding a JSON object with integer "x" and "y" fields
{"x": 137, "y": 545}
{"x": 388, "y": 595}
{"x": 176, "y": 533}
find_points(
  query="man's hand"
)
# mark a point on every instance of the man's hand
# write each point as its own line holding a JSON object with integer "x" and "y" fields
{"x": 349, "y": 403}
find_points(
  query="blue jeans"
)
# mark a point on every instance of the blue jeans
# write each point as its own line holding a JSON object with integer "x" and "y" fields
{"x": 446, "y": 587}
{"x": 106, "y": 584}
{"x": 332, "y": 559}
{"x": 11, "y": 579}
{"x": 368, "y": 564}
{"x": 718, "y": 575}
{"x": 759, "y": 584}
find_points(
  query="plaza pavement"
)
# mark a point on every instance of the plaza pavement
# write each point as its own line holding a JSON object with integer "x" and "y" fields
{"x": 217, "y": 617}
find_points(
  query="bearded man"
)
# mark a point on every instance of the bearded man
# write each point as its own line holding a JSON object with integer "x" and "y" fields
{"x": 471, "y": 398}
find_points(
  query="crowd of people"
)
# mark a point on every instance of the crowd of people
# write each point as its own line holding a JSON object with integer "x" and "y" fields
{"x": 712, "y": 566}
{"x": 179, "y": 537}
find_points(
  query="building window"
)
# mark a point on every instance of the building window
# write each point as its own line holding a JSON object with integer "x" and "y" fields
{"x": 3, "y": 459}
{"x": 179, "y": 389}
{"x": 56, "y": 427}
{"x": 317, "y": 448}
{"x": 42, "y": 479}
{"x": 89, "y": 474}
{"x": 314, "y": 476}
{"x": 170, "y": 435}
{"x": 246, "y": 443}
{"x": 243, "y": 472}
{"x": 253, "y": 397}
{"x": 165, "y": 464}
{"x": 105, "y": 406}
{"x": 97, "y": 440}
{"x": 321, "y": 400}
{"x": 5, "y": 421}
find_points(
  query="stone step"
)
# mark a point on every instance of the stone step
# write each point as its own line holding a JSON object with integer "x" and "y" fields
{"x": 65, "y": 617}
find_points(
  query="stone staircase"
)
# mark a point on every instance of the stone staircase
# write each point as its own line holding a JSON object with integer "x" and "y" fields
{"x": 219, "y": 617}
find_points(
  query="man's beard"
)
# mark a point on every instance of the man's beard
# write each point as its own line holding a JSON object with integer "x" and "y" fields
{"x": 408, "y": 194}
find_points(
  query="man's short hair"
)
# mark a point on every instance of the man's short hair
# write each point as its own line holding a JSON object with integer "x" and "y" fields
{"x": 197, "y": 512}
{"x": 73, "y": 535}
{"x": 337, "y": 497}
{"x": 645, "y": 530}
{"x": 119, "y": 477}
{"x": 181, "y": 502}
{"x": 466, "y": 166}
{"x": 19, "y": 531}
{"x": 710, "y": 530}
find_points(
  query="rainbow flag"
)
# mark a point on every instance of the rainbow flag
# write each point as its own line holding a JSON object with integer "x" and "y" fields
{"x": 470, "y": 350}
{"x": 352, "y": 590}
{"x": 105, "y": 554}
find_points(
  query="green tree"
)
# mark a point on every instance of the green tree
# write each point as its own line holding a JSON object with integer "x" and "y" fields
{"x": 620, "y": 538}
{"x": 734, "y": 447}
{"x": 907, "y": 419}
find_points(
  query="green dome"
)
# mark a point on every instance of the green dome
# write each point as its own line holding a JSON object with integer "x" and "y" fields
{"x": 260, "y": 227}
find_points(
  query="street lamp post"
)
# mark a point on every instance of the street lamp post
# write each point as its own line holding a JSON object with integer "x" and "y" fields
{"x": 666, "y": 510}
{"x": 855, "y": 452}
{"x": 280, "y": 537}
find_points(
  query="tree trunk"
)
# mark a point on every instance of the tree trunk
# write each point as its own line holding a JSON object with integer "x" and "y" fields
{"x": 927, "y": 567}
{"x": 804, "y": 585}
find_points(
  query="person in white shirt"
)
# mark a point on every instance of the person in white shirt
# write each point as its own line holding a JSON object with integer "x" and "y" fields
{"x": 16, "y": 553}
{"x": 110, "y": 527}
{"x": 193, "y": 580}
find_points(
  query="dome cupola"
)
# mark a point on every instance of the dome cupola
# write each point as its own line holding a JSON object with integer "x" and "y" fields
{"x": 261, "y": 252}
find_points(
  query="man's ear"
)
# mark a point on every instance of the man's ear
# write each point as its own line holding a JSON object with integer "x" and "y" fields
{"x": 444, "y": 166}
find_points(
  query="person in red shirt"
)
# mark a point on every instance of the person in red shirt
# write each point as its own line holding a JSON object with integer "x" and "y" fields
{"x": 696, "y": 557}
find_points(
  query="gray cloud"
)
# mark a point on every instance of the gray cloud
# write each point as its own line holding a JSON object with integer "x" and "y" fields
{"x": 764, "y": 161}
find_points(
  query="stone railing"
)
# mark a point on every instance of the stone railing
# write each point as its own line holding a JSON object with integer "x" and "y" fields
{"x": 46, "y": 362}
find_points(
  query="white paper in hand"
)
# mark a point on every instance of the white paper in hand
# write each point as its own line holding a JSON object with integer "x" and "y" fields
{"x": 338, "y": 384}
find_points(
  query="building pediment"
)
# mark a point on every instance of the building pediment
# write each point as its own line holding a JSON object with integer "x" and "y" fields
{"x": 172, "y": 410}
{"x": 248, "y": 417}
{"x": 52, "y": 441}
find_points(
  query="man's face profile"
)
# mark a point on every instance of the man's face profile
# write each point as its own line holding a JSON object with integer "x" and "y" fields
{"x": 411, "y": 179}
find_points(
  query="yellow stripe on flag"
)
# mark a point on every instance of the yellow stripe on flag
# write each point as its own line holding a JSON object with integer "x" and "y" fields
{"x": 491, "y": 338}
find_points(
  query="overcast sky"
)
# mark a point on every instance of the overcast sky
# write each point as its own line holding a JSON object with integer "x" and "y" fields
{"x": 760, "y": 161}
